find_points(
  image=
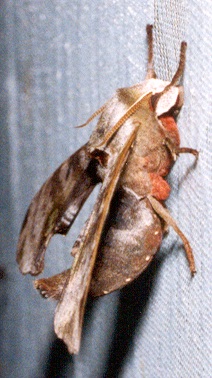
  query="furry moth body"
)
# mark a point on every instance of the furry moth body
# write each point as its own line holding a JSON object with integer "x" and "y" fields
{"x": 131, "y": 150}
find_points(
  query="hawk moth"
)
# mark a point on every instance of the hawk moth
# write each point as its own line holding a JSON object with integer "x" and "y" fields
{"x": 131, "y": 150}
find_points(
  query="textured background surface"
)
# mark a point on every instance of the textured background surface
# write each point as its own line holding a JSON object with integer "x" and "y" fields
{"x": 60, "y": 60}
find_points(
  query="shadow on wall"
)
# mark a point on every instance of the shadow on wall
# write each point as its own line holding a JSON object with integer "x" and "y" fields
{"x": 58, "y": 360}
{"x": 133, "y": 304}
{"x": 132, "y": 307}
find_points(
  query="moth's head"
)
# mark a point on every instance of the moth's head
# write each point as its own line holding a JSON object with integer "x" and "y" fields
{"x": 168, "y": 101}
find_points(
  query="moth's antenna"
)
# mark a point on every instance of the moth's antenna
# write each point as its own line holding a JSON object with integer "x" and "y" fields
{"x": 178, "y": 74}
{"x": 181, "y": 66}
{"x": 94, "y": 115}
{"x": 150, "y": 66}
{"x": 132, "y": 109}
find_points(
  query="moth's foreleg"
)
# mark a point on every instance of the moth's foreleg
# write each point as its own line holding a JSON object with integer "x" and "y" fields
{"x": 176, "y": 151}
{"x": 188, "y": 150}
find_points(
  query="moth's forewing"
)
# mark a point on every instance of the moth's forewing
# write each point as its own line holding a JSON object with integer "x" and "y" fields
{"x": 70, "y": 310}
{"x": 54, "y": 208}
{"x": 131, "y": 238}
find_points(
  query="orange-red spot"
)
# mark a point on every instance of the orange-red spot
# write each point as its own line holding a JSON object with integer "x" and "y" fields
{"x": 170, "y": 125}
{"x": 160, "y": 188}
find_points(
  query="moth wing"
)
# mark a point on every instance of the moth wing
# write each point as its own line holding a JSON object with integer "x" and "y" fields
{"x": 54, "y": 208}
{"x": 70, "y": 310}
{"x": 131, "y": 238}
{"x": 132, "y": 235}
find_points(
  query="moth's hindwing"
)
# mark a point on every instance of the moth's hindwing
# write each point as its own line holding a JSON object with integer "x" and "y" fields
{"x": 131, "y": 238}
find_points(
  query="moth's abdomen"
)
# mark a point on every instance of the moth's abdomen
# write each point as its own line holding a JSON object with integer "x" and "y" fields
{"x": 132, "y": 236}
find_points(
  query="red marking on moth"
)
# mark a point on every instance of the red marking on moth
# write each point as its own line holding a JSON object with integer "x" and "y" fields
{"x": 164, "y": 169}
{"x": 160, "y": 188}
{"x": 170, "y": 125}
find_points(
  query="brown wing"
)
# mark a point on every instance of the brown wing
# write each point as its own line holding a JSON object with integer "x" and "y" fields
{"x": 54, "y": 208}
{"x": 131, "y": 238}
{"x": 70, "y": 311}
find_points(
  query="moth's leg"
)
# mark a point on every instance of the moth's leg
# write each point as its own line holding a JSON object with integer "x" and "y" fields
{"x": 52, "y": 287}
{"x": 164, "y": 214}
{"x": 187, "y": 150}
{"x": 170, "y": 126}
{"x": 175, "y": 151}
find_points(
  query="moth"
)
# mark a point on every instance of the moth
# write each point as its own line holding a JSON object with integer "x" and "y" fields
{"x": 130, "y": 152}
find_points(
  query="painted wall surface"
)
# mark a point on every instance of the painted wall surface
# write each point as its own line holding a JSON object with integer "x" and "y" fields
{"x": 60, "y": 60}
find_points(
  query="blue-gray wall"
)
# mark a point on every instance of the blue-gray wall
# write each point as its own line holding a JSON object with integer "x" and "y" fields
{"x": 60, "y": 60}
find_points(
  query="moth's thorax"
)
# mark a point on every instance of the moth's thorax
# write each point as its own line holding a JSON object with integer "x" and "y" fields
{"x": 123, "y": 98}
{"x": 149, "y": 153}
{"x": 150, "y": 158}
